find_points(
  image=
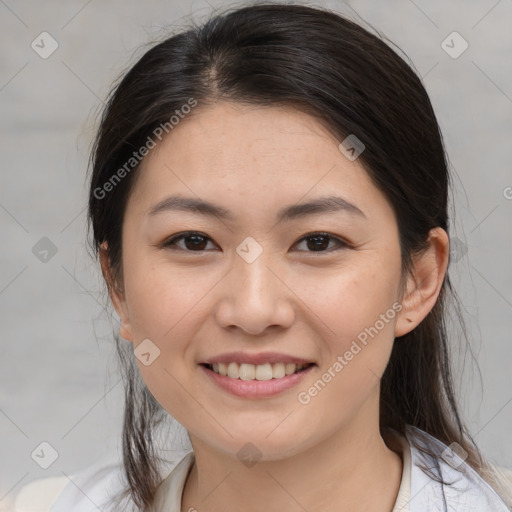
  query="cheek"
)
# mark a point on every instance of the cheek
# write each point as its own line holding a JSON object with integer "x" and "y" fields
{"x": 351, "y": 301}
{"x": 167, "y": 305}
{"x": 358, "y": 308}
{"x": 162, "y": 297}
{"x": 165, "y": 309}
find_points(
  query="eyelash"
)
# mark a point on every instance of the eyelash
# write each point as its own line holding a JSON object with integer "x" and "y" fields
{"x": 171, "y": 243}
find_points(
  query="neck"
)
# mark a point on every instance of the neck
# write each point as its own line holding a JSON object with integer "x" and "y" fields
{"x": 353, "y": 470}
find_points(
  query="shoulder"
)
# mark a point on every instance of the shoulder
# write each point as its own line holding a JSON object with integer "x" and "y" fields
{"x": 39, "y": 495}
{"x": 439, "y": 474}
{"x": 81, "y": 492}
{"x": 97, "y": 487}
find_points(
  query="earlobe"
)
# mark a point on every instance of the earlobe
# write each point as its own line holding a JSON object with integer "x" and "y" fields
{"x": 424, "y": 285}
{"x": 117, "y": 295}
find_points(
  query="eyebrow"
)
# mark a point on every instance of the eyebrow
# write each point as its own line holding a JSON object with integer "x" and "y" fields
{"x": 327, "y": 204}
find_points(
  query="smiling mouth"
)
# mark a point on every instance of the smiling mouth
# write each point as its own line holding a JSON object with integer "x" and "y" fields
{"x": 267, "y": 371}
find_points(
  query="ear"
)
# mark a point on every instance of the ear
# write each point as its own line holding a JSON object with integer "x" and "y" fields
{"x": 116, "y": 294}
{"x": 424, "y": 285}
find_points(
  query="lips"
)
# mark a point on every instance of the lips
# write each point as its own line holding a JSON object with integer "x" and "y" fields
{"x": 242, "y": 384}
{"x": 256, "y": 375}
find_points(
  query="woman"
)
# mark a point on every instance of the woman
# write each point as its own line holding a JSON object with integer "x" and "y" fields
{"x": 268, "y": 201}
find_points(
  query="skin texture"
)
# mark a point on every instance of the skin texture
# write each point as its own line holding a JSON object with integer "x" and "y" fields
{"x": 325, "y": 455}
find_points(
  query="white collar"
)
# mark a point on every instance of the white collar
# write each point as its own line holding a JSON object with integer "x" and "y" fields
{"x": 465, "y": 489}
{"x": 418, "y": 491}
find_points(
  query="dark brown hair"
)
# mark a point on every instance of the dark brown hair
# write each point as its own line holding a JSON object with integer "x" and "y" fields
{"x": 337, "y": 71}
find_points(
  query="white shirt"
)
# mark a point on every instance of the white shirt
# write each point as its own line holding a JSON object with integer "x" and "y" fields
{"x": 92, "y": 489}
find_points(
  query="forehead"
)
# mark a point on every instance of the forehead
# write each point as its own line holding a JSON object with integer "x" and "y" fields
{"x": 256, "y": 156}
{"x": 264, "y": 136}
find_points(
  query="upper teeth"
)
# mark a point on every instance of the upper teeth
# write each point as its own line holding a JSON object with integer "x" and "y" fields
{"x": 265, "y": 371}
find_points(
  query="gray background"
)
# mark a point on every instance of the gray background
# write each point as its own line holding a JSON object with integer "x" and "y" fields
{"x": 57, "y": 366}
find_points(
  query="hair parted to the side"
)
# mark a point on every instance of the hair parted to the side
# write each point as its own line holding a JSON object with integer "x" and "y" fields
{"x": 349, "y": 79}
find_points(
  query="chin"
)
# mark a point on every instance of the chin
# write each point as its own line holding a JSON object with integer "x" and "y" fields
{"x": 260, "y": 447}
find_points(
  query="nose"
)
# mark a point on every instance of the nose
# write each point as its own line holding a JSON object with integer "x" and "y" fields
{"x": 254, "y": 296}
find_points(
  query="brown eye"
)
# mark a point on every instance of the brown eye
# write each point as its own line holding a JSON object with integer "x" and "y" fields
{"x": 192, "y": 242}
{"x": 319, "y": 242}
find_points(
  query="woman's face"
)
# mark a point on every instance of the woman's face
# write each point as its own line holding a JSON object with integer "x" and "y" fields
{"x": 255, "y": 289}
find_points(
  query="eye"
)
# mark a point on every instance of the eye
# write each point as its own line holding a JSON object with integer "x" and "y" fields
{"x": 318, "y": 242}
{"x": 193, "y": 242}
